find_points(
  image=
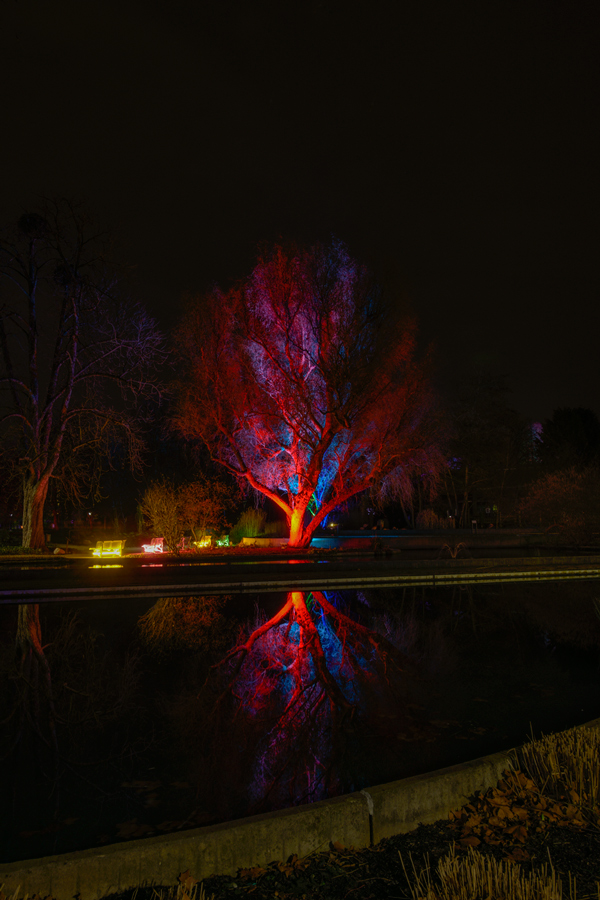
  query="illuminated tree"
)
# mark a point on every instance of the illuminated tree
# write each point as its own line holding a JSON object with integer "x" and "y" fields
{"x": 303, "y": 382}
{"x": 77, "y": 361}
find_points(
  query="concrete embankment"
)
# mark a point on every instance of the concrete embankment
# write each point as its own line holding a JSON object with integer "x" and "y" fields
{"x": 357, "y": 820}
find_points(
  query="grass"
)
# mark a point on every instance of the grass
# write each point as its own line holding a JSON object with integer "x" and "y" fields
{"x": 567, "y": 762}
{"x": 479, "y": 877}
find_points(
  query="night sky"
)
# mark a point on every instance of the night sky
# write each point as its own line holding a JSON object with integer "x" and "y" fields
{"x": 452, "y": 145}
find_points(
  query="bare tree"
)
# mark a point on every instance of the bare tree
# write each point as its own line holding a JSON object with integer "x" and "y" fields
{"x": 79, "y": 363}
{"x": 303, "y": 383}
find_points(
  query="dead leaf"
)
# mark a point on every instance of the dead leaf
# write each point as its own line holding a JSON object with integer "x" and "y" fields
{"x": 521, "y": 834}
{"x": 472, "y": 821}
{"x": 470, "y": 841}
{"x": 256, "y": 872}
{"x": 187, "y": 880}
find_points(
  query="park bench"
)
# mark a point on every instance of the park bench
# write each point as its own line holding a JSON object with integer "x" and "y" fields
{"x": 156, "y": 545}
{"x": 108, "y": 548}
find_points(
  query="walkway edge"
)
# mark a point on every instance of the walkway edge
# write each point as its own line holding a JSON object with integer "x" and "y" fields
{"x": 354, "y": 820}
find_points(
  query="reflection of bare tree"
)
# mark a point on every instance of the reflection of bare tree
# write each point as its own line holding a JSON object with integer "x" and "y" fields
{"x": 68, "y": 712}
{"x": 35, "y": 702}
{"x": 298, "y": 694}
{"x": 309, "y": 646}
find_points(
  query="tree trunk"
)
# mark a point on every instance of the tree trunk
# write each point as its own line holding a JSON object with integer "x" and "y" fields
{"x": 315, "y": 648}
{"x": 298, "y": 537}
{"x": 34, "y": 498}
{"x": 29, "y": 643}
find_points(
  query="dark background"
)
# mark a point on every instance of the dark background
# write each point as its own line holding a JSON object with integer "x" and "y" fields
{"x": 453, "y": 146}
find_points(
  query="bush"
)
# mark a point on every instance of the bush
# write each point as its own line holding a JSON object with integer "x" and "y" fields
{"x": 250, "y": 524}
{"x": 160, "y": 507}
{"x": 567, "y": 503}
{"x": 197, "y": 506}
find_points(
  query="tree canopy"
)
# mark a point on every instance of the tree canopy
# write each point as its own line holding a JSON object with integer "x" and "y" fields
{"x": 304, "y": 381}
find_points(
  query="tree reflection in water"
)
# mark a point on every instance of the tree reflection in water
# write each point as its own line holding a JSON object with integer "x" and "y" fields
{"x": 186, "y": 717}
{"x": 72, "y": 725}
{"x": 298, "y": 695}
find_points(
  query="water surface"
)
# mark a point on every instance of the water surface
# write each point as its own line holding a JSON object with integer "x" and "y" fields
{"x": 154, "y": 716}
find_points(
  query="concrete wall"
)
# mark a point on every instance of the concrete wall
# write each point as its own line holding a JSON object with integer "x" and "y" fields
{"x": 400, "y": 806}
{"x": 355, "y": 820}
{"x": 220, "y": 849}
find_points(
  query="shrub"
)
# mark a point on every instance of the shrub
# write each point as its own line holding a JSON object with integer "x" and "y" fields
{"x": 197, "y": 506}
{"x": 160, "y": 507}
{"x": 567, "y": 503}
{"x": 250, "y": 524}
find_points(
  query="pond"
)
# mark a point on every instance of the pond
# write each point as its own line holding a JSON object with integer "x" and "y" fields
{"x": 123, "y": 719}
